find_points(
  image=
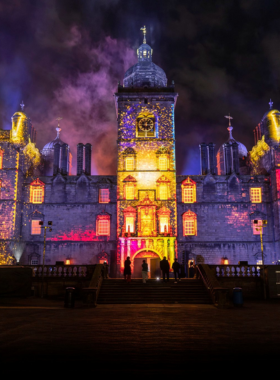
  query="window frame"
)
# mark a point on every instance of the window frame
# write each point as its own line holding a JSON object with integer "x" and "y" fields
{"x": 38, "y": 227}
{"x": 35, "y": 186}
{"x": 189, "y": 216}
{"x": 188, "y": 184}
{"x": 99, "y": 221}
{"x": 253, "y": 196}
{"x": 107, "y": 197}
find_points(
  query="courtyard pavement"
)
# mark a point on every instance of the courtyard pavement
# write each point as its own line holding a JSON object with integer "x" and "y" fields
{"x": 145, "y": 339}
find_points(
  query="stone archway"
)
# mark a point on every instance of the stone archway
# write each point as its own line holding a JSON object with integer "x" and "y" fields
{"x": 152, "y": 258}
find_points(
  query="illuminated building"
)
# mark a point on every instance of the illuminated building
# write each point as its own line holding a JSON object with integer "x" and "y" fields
{"x": 145, "y": 210}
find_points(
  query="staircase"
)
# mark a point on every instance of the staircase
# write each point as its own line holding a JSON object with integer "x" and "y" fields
{"x": 187, "y": 291}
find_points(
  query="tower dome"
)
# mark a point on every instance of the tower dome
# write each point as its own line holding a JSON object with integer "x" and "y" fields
{"x": 242, "y": 150}
{"x": 49, "y": 147}
{"x": 145, "y": 73}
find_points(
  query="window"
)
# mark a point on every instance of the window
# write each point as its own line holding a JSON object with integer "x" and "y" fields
{"x": 129, "y": 187}
{"x": 103, "y": 224}
{"x": 163, "y": 185}
{"x": 162, "y": 163}
{"x": 256, "y": 195}
{"x": 188, "y": 191}
{"x": 163, "y": 191}
{"x": 189, "y": 223}
{"x": 37, "y": 191}
{"x": 164, "y": 220}
{"x": 129, "y": 219}
{"x": 35, "y": 227}
{"x": 129, "y": 163}
{"x": 163, "y": 224}
{"x": 1, "y": 159}
{"x": 104, "y": 196}
{"x": 256, "y": 227}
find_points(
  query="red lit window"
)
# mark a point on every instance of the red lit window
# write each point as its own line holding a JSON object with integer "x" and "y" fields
{"x": 103, "y": 225}
{"x": 256, "y": 195}
{"x": 189, "y": 223}
{"x": 37, "y": 191}
{"x": 35, "y": 227}
{"x": 188, "y": 191}
{"x": 1, "y": 159}
{"x": 104, "y": 196}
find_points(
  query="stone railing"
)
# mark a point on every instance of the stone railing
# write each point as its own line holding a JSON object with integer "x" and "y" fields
{"x": 236, "y": 270}
{"x": 63, "y": 271}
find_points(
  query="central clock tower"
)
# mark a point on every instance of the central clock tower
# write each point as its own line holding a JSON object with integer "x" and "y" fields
{"x": 146, "y": 174}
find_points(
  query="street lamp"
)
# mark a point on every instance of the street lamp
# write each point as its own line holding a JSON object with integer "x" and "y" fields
{"x": 41, "y": 223}
{"x": 260, "y": 224}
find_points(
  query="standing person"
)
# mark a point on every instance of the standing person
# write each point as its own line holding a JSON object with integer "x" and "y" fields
{"x": 144, "y": 271}
{"x": 164, "y": 266}
{"x": 176, "y": 267}
{"x": 127, "y": 269}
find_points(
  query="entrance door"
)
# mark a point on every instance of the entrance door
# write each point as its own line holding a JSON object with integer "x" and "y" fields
{"x": 155, "y": 268}
{"x": 137, "y": 273}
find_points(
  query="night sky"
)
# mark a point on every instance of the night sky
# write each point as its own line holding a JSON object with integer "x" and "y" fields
{"x": 64, "y": 58}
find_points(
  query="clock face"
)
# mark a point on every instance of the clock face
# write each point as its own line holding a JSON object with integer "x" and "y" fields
{"x": 146, "y": 124}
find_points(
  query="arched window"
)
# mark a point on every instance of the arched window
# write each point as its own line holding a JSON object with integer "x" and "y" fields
{"x": 189, "y": 223}
{"x": 37, "y": 191}
{"x": 164, "y": 220}
{"x": 163, "y": 188}
{"x": 1, "y": 158}
{"x": 103, "y": 224}
{"x": 188, "y": 187}
{"x": 129, "y": 188}
{"x": 163, "y": 159}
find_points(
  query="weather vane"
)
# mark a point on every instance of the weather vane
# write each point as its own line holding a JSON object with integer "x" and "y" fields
{"x": 22, "y": 105}
{"x": 270, "y": 104}
{"x": 58, "y": 119}
{"x": 229, "y": 119}
{"x": 144, "y": 33}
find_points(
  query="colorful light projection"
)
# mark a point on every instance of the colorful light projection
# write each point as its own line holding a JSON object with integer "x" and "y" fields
{"x": 273, "y": 125}
{"x": 257, "y": 152}
{"x": 189, "y": 223}
{"x": 32, "y": 153}
{"x": 188, "y": 187}
{"x": 19, "y": 128}
{"x": 37, "y": 191}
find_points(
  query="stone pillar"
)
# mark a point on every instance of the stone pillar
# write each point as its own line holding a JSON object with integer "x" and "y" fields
{"x": 212, "y": 158}
{"x": 88, "y": 148}
{"x": 80, "y": 158}
{"x": 172, "y": 250}
{"x": 128, "y": 247}
{"x": 228, "y": 158}
{"x": 165, "y": 250}
{"x": 64, "y": 159}
{"x": 203, "y": 159}
{"x": 235, "y": 157}
{"x": 56, "y": 159}
{"x": 122, "y": 255}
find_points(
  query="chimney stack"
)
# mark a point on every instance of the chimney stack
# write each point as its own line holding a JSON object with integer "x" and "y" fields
{"x": 203, "y": 159}
{"x": 212, "y": 158}
{"x": 235, "y": 157}
{"x": 80, "y": 158}
{"x": 88, "y": 149}
{"x": 64, "y": 159}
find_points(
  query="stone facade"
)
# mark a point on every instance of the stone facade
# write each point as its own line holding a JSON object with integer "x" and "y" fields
{"x": 145, "y": 210}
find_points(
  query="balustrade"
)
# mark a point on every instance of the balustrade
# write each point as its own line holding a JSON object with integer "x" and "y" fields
{"x": 62, "y": 271}
{"x": 236, "y": 270}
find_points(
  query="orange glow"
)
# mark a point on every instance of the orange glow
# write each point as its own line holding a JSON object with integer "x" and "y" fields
{"x": 1, "y": 159}
{"x": 37, "y": 191}
{"x": 67, "y": 262}
{"x": 256, "y": 194}
{"x": 188, "y": 191}
{"x": 103, "y": 225}
{"x": 257, "y": 227}
{"x": 35, "y": 227}
{"x": 189, "y": 223}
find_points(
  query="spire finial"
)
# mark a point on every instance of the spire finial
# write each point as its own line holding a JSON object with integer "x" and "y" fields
{"x": 270, "y": 104}
{"x": 144, "y": 33}
{"x": 58, "y": 119}
{"x": 229, "y": 128}
{"x": 22, "y": 105}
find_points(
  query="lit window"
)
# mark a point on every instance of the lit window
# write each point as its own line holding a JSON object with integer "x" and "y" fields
{"x": 129, "y": 192}
{"x": 257, "y": 227}
{"x": 162, "y": 162}
{"x": 256, "y": 195}
{"x": 1, "y": 159}
{"x": 129, "y": 163}
{"x": 163, "y": 191}
{"x": 163, "y": 224}
{"x": 103, "y": 225}
{"x": 37, "y": 191}
{"x": 188, "y": 191}
{"x": 145, "y": 52}
{"x": 35, "y": 227}
{"x": 129, "y": 224}
{"x": 104, "y": 196}
{"x": 189, "y": 223}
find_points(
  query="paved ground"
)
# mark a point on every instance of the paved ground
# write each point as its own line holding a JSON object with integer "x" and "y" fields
{"x": 140, "y": 338}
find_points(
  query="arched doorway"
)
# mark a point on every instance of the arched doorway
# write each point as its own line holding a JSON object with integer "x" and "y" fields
{"x": 152, "y": 259}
